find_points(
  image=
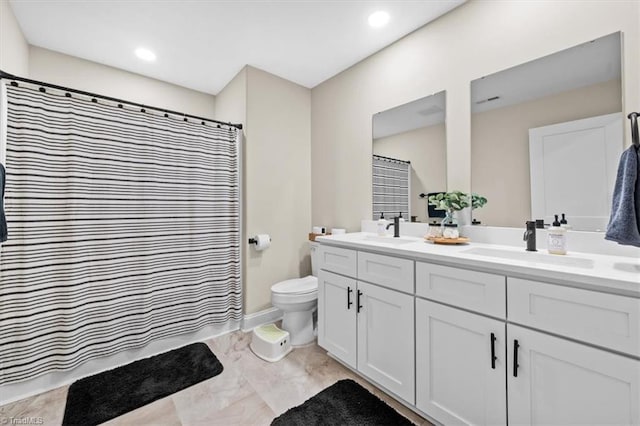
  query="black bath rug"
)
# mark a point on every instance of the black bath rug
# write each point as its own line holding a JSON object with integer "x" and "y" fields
{"x": 110, "y": 394}
{"x": 343, "y": 403}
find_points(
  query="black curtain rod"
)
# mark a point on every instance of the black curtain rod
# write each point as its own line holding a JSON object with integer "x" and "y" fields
{"x": 382, "y": 157}
{"x": 108, "y": 98}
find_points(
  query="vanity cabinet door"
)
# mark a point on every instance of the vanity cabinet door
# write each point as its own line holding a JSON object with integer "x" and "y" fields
{"x": 386, "y": 339}
{"x": 558, "y": 381}
{"x": 337, "y": 316}
{"x": 457, "y": 381}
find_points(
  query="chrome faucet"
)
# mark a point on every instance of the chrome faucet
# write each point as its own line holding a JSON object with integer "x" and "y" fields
{"x": 396, "y": 226}
{"x": 530, "y": 235}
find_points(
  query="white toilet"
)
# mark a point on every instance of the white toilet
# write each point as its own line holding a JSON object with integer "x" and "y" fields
{"x": 298, "y": 299}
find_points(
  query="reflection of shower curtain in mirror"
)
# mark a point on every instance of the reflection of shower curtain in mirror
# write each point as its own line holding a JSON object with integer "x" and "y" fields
{"x": 391, "y": 187}
{"x": 123, "y": 230}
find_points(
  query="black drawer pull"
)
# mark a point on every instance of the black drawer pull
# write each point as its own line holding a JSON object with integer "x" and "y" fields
{"x": 493, "y": 351}
{"x": 358, "y": 301}
{"x": 349, "y": 302}
{"x": 516, "y": 345}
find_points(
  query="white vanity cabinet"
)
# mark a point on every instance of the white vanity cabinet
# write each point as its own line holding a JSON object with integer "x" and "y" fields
{"x": 460, "y": 365}
{"x": 565, "y": 379}
{"x": 482, "y": 348}
{"x": 367, "y": 326}
{"x": 460, "y": 355}
{"x": 337, "y": 316}
{"x": 556, "y": 381}
{"x": 386, "y": 339}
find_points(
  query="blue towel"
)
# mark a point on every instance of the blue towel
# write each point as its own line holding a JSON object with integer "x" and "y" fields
{"x": 3, "y": 219}
{"x": 624, "y": 224}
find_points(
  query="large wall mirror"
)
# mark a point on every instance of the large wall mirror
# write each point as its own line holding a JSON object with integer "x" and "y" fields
{"x": 409, "y": 158}
{"x": 546, "y": 137}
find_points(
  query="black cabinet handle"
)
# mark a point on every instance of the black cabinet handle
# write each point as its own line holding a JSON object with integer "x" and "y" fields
{"x": 349, "y": 302}
{"x": 493, "y": 351}
{"x": 358, "y": 301}
{"x": 516, "y": 345}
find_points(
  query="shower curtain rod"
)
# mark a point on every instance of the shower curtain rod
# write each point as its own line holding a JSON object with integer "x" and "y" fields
{"x": 382, "y": 157}
{"x": 108, "y": 98}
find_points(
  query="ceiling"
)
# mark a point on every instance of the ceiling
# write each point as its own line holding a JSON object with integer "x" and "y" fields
{"x": 203, "y": 44}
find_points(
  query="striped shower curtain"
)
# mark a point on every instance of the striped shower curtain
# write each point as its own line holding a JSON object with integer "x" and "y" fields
{"x": 124, "y": 229}
{"x": 391, "y": 187}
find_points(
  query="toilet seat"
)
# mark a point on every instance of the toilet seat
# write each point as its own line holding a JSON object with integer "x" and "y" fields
{"x": 306, "y": 285}
{"x": 297, "y": 299}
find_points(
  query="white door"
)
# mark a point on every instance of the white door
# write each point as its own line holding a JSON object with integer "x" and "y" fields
{"x": 558, "y": 186}
{"x": 460, "y": 366}
{"x": 337, "y": 316}
{"x": 559, "y": 382}
{"x": 386, "y": 339}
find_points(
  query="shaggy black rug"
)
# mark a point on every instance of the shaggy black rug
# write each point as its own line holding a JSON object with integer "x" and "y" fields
{"x": 102, "y": 397}
{"x": 343, "y": 403}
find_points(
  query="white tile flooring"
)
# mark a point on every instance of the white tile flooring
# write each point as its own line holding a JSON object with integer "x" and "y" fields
{"x": 248, "y": 392}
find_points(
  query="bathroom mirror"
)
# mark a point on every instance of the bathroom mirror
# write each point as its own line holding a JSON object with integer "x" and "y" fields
{"x": 409, "y": 158}
{"x": 546, "y": 137}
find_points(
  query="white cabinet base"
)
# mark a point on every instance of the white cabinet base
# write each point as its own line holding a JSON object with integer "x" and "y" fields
{"x": 561, "y": 382}
{"x": 456, "y": 382}
{"x": 386, "y": 339}
{"x": 336, "y": 317}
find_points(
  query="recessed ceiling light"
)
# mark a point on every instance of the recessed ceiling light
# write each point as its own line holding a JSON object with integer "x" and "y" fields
{"x": 378, "y": 19}
{"x": 145, "y": 54}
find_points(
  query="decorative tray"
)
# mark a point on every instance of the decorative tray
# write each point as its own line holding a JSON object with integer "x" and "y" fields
{"x": 312, "y": 236}
{"x": 441, "y": 240}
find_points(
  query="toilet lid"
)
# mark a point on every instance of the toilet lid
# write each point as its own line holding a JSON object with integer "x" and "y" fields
{"x": 307, "y": 284}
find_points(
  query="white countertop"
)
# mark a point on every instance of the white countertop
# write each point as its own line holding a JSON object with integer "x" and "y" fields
{"x": 610, "y": 274}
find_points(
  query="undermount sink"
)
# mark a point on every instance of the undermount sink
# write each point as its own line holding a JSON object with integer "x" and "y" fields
{"x": 551, "y": 259}
{"x": 388, "y": 240}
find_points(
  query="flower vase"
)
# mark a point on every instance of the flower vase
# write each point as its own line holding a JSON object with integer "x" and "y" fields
{"x": 449, "y": 225}
{"x": 448, "y": 218}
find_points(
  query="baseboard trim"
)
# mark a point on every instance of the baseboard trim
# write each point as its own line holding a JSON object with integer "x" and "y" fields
{"x": 256, "y": 319}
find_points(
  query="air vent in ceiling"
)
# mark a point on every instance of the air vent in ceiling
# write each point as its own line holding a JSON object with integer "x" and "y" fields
{"x": 494, "y": 98}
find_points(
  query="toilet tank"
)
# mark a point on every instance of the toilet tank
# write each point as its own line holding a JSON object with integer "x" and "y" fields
{"x": 315, "y": 252}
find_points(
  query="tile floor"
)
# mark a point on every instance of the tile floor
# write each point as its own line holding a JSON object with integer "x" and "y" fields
{"x": 248, "y": 392}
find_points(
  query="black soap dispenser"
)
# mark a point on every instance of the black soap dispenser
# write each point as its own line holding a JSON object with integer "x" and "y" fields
{"x": 556, "y": 222}
{"x": 563, "y": 223}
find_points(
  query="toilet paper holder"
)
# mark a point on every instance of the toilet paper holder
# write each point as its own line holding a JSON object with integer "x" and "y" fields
{"x": 254, "y": 240}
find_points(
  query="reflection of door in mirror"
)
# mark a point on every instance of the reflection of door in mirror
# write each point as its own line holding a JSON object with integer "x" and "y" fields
{"x": 415, "y": 133}
{"x": 595, "y": 144}
{"x": 574, "y": 84}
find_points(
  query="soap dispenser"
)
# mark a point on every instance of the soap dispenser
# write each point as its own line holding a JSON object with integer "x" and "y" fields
{"x": 557, "y": 238}
{"x": 382, "y": 225}
{"x": 563, "y": 223}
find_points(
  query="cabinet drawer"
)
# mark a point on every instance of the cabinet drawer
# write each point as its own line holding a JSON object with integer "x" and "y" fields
{"x": 338, "y": 260}
{"x": 386, "y": 271}
{"x": 606, "y": 320}
{"x": 476, "y": 291}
